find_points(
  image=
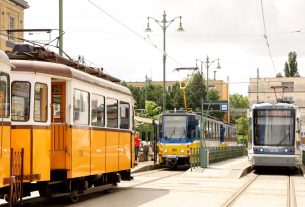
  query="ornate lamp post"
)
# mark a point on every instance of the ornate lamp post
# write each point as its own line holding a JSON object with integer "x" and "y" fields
{"x": 207, "y": 64}
{"x": 164, "y": 24}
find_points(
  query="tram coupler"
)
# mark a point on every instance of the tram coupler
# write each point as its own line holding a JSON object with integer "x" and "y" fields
{"x": 171, "y": 161}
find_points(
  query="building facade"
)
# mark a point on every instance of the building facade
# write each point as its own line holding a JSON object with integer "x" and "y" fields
{"x": 270, "y": 89}
{"x": 11, "y": 18}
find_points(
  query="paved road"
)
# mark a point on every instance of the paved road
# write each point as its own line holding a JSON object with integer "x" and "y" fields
{"x": 212, "y": 187}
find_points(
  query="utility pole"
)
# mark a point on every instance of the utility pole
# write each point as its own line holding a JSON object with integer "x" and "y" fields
{"x": 228, "y": 100}
{"x": 60, "y": 39}
{"x": 257, "y": 85}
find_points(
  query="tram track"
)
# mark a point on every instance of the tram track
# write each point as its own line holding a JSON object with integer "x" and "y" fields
{"x": 238, "y": 193}
{"x": 291, "y": 197}
{"x": 290, "y": 191}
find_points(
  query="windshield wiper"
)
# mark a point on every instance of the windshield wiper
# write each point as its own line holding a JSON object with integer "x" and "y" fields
{"x": 283, "y": 139}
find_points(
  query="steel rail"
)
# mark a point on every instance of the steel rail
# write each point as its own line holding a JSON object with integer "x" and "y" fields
{"x": 239, "y": 192}
{"x": 291, "y": 197}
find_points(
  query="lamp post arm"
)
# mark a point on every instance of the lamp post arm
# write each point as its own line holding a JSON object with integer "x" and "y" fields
{"x": 171, "y": 21}
{"x": 157, "y": 21}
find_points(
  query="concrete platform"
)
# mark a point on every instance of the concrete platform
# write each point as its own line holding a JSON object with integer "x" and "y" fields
{"x": 145, "y": 166}
{"x": 229, "y": 169}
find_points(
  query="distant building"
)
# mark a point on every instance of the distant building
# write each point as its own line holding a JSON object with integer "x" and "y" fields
{"x": 11, "y": 17}
{"x": 271, "y": 89}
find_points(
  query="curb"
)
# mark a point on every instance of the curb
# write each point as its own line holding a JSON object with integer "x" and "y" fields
{"x": 147, "y": 168}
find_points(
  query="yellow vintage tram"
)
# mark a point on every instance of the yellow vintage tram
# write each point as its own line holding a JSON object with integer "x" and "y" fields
{"x": 73, "y": 122}
{"x": 5, "y": 70}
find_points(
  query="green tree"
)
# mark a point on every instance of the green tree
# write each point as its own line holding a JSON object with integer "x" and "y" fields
{"x": 176, "y": 97}
{"x": 152, "y": 109}
{"x": 195, "y": 92}
{"x": 291, "y": 65}
{"x": 242, "y": 129}
{"x": 237, "y": 101}
{"x": 214, "y": 96}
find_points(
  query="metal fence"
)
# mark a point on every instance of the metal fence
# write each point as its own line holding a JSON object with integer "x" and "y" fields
{"x": 216, "y": 154}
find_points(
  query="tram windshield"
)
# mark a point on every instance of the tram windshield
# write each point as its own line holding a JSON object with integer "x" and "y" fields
{"x": 274, "y": 127}
{"x": 174, "y": 126}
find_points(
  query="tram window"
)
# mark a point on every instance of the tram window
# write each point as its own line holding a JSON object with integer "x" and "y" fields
{"x": 20, "y": 101}
{"x": 112, "y": 113}
{"x": 4, "y": 95}
{"x": 41, "y": 102}
{"x": 97, "y": 110}
{"x": 80, "y": 107}
{"x": 124, "y": 115}
{"x": 192, "y": 124}
{"x": 57, "y": 99}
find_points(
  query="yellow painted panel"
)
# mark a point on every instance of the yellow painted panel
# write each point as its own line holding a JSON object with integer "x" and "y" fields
{"x": 80, "y": 150}
{"x": 21, "y": 138}
{"x": 41, "y": 153}
{"x": 124, "y": 151}
{"x": 112, "y": 156}
{"x": 5, "y": 154}
{"x": 69, "y": 151}
{"x": 58, "y": 147}
{"x": 98, "y": 152}
{"x": 133, "y": 151}
{"x": 58, "y": 160}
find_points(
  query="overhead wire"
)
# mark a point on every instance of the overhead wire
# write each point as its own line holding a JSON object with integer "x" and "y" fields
{"x": 266, "y": 37}
{"x": 132, "y": 31}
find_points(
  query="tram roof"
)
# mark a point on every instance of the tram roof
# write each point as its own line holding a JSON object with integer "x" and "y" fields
{"x": 4, "y": 59}
{"x": 273, "y": 106}
{"x": 68, "y": 72}
{"x": 29, "y": 52}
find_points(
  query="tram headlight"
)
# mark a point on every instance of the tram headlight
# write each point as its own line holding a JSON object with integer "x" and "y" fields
{"x": 182, "y": 151}
{"x": 165, "y": 150}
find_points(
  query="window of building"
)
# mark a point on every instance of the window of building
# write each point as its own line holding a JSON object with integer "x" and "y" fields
{"x": 97, "y": 110}
{"x": 41, "y": 102}
{"x": 112, "y": 113}
{"x": 289, "y": 85}
{"x": 80, "y": 107}
{"x": 11, "y": 26}
{"x": 4, "y": 95}
{"x": 21, "y": 101}
{"x": 124, "y": 115}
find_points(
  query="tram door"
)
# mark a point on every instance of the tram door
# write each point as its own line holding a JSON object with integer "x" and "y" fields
{"x": 58, "y": 130}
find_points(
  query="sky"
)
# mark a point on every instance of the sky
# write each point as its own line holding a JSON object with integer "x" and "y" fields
{"x": 110, "y": 34}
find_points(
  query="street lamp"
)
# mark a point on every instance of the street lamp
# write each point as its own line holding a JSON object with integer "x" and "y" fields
{"x": 164, "y": 24}
{"x": 207, "y": 64}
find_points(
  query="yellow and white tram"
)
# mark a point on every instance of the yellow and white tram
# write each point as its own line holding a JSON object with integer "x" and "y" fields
{"x": 5, "y": 124}
{"x": 75, "y": 128}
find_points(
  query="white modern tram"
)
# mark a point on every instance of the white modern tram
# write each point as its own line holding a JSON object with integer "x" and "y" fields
{"x": 275, "y": 131}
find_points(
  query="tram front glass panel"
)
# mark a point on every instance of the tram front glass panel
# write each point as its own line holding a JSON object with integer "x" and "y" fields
{"x": 174, "y": 126}
{"x": 274, "y": 127}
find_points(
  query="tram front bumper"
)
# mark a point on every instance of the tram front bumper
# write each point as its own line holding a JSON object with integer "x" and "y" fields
{"x": 277, "y": 161}
{"x": 171, "y": 160}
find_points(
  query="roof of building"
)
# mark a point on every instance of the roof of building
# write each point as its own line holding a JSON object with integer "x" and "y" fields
{"x": 21, "y": 3}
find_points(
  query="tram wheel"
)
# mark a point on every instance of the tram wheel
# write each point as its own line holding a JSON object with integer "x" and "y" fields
{"x": 73, "y": 198}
